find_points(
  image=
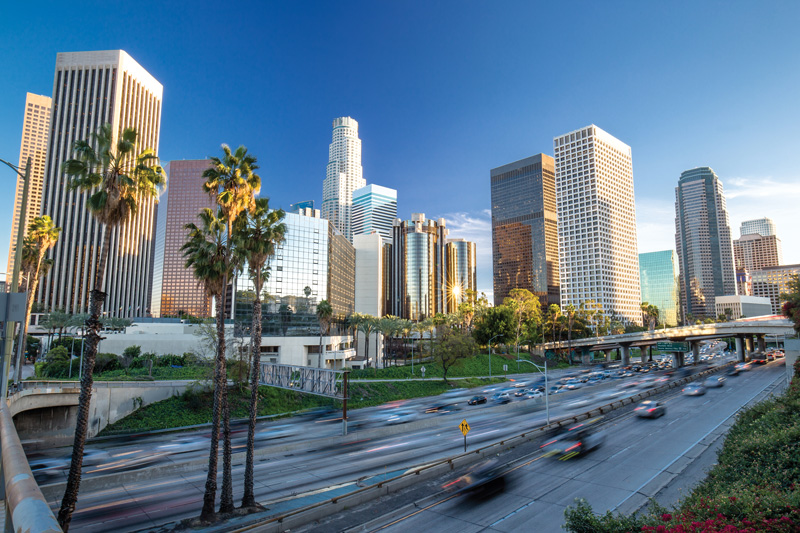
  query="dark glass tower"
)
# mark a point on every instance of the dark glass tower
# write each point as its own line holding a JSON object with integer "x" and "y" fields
{"x": 525, "y": 229}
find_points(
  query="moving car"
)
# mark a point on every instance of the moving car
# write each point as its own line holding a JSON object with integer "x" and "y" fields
{"x": 484, "y": 476}
{"x": 475, "y": 400}
{"x": 577, "y": 440}
{"x": 501, "y": 397}
{"x": 694, "y": 390}
{"x": 714, "y": 381}
{"x": 650, "y": 409}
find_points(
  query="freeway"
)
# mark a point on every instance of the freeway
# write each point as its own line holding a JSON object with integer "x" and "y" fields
{"x": 638, "y": 457}
{"x": 144, "y": 497}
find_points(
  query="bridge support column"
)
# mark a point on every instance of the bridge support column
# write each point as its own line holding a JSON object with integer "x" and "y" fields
{"x": 677, "y": 358}
{"x": 762, "y": 343}
{"x": 695, "y": 352}
{"x": 740, "y": 349}
{"x": 626, "y": 355}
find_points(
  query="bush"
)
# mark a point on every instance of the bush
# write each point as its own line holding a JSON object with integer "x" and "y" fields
{"x": 171, "y": 359}
{"x": 105, "y": 362}
{"x": 132, "y": 351}
{"x": 59, "y": 353}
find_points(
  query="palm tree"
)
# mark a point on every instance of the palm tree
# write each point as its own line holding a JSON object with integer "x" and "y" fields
{"x": 569, "y": 312}
{"x": 205, "y": 252}
{"x": 389, "y": 326}
{"x": 233, "y": 184}
{"x": 324, "y": 315}
{"x": 116, "y": 181}
{"x": 42, "y": 235}
{"x": 366, "y": 325}
{"x": 255, "y": 243}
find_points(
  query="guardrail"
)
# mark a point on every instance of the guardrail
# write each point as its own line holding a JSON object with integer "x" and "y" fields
{"x": 316, "y": 511}
{"x": 26, "y": 509}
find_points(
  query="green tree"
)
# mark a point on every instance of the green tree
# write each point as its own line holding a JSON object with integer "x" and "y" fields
{"x": 117, "y": 181}
{"x": 42, "y": 235}
{"x": 454, "y": 345}
{"x": 496, "y": 321}
{"x": 324, "y": 316}
{"x": 649, "y": 315}
{"x": 791, "y": 305}
{"x": 255, "y": 245}
{"x": 527, "y": 311}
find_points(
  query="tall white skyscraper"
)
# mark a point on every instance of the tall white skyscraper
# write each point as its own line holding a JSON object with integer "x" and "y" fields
{"x": 90, "y": 89}
{"x": 763, "y": 226}
{"x": 374, "y": 209}
{"x": 598, "y": 255}
{"x": 35, "y": 129}
{"x": 344, "y": 175}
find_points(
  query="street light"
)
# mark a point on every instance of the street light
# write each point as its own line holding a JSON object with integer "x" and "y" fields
{"x": 546, "y": 387}
{"x": 490, "y": 353}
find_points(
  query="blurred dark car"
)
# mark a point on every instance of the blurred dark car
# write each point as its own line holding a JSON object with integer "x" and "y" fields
{"x": 714, "y": 382}
{"x": 488, "y": 476}
{"x": 694, "y": 390}
{"x": 577, "y": 440}
{"x": 475, "y": 400}
{"x": 650, "y": 409}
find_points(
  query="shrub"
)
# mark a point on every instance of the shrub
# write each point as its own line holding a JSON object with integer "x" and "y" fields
{"x": 105, "y": 362}
{"x": 171, "y": 359}
{"x": 58, "y": 353}
{"x": 132, "y": 351}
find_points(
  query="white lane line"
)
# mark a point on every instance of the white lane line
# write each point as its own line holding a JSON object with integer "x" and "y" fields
{"x": 692, "y": 446}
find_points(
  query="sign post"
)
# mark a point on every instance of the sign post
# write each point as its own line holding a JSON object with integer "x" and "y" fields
{"x": 423, "y": 372}
{"x": 464, "y": 427}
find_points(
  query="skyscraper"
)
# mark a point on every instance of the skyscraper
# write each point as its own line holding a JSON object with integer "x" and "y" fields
{"x": 658, "y": 275}
{"x": 598, "y": 257}
{"x": 175, "y": 289}
{"x": 343, "y": 176}
{"x": 461, "y": 272}
{"x": 763, "y": 226}
{"x": 525, "y": 229}
{"x": 703, "y": 241}
{"x": 754, "y": 252}
{"x": 89, "y": 90}
{"x": 35, "y": 129}
{"x": 374, "y": 209}
{"x": 772, "y": 282}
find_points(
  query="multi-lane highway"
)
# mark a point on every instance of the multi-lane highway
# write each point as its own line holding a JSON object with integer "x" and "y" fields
{"x": 298, "y": 475}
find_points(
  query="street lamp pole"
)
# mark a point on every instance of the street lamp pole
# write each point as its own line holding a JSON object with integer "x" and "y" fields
{"x": 546, "y": 386}
{"x": 9, "y": 333}
{"x": 490, "y": 353}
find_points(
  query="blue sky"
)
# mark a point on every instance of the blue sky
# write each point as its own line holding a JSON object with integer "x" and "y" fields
{"x": 445, "y": 91}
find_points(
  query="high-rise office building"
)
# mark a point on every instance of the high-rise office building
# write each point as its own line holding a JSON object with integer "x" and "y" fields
{"x": 343, "y": 176}
{"x": 419, "y": 271}
{"x": 598, "y": 256}
{"x": 754, "y": 252}
{"x": 35, "y": 131}
{"x": 658, "y": 275}
{"x": 175, "y": 289}
{"x": 703, "y": 241}
{"x": 771, "y": 282}
{"x": 374, "y": 210}
{"x": 461, "y": 272}
{"x": 89, "y": 90}
{"x": 525, "y": 229}
{"x": 763, "y": 226}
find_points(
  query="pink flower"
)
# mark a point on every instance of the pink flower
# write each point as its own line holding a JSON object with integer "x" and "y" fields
{"x": 666, "y": 517}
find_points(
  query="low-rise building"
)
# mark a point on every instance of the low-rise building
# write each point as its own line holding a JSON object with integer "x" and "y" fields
{"x": 737, "y": 306}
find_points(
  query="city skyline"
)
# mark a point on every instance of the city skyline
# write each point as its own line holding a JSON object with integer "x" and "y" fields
{"x": 418, "y": 111}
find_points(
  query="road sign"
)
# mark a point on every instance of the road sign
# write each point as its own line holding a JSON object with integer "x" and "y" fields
{"x": 464, "y": 427}
{"x": 505, "y": 368}
{"x": 423, "y": 371}
{"x": 667, "y": 346}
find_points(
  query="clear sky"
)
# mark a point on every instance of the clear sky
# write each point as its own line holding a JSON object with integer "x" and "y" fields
{"x": 445, "y": 91}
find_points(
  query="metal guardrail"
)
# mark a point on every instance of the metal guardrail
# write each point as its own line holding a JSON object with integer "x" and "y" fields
{"x": 26, "y": 509}
{"x": 315, "y": 511}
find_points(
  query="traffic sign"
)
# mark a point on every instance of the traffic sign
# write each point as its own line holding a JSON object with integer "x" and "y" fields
{"x": 423, "y": 371}
{"x": 464, "y": 427}
{"x": 505, "y": 368}
{"x": 668, "y": 346}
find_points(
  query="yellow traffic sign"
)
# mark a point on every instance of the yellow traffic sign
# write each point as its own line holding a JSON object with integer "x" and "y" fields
{"x": 464, "y": 427}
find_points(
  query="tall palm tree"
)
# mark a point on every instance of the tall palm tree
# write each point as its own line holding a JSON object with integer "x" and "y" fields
{"x": 205, "y": 252}
{"x": 366, "y": 325}
{"x": 232, "y": 182}
{"x": 389, "y": 326}
{"x": 42, "y": 235}
{"x": 354, "y": 320}
{"x": 117, "y": 181}
{"x": 324, "y": 315}
{"x": 255, "y": 244}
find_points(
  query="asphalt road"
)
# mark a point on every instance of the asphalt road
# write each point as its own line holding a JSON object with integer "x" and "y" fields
{"x": 638, "y": 455}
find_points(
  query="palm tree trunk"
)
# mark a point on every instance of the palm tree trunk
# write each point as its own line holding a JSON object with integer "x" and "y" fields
{"x": 249, "y": 500}
{"x": 33, "y": 283}
{"x": 207, "y": 514}
{"x": 98, "y": 297}
{"x": 226, "y": 497}
{"x": 366, "y": 347}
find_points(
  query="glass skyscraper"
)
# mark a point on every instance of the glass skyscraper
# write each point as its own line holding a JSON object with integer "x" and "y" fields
{"x": 374, "y": 209}
{"x": 703, "y": 241}
{"x": 343, "y": 175}
{"x": 658, "y": 275}
{"x": 525, "y": 229}
{"x": 461, "y": 272}
{"x": 763, "y": 226}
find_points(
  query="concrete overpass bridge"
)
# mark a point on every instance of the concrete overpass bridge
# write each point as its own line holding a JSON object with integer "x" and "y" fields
{"x": 750, "y": 335}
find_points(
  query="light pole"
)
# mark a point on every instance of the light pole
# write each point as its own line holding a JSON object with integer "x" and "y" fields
{"x": 546, "y": 388}
{"x": 490, "y": 353}
{"x": 23, "y": 212}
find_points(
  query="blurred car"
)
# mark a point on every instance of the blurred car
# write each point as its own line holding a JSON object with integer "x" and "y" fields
{"x": 578, "y": 404}
{"x": 441, "y": 408}
{"x": 501, "y": 397}
{"x": 742, "y": 367}
{"x": 577, "y": 440}
{"x": 185, "y": 445}
{"x": 401, "y": 417}
{"x": 714, "y": 382}
{"x": 694, "y": 390}
{"x": 47, "y": 468}
{"x": 534, "y": 395}
{"x": 455, "y": 393}
{"x": 276, "y": 432}
{"x": 484, "y": 476}
{"x": 732, "y": 371}
{"x": 475, "y": 400}
{"x": 650, "y": 409}
{"x": 522, "y": 392}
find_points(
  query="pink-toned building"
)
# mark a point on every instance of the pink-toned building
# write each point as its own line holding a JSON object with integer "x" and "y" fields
{"x": 175, "y": 289}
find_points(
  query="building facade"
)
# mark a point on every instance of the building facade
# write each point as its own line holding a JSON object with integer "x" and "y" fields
{"x": 525, "y": 229}
{"x": 771, "y": 282}
{"x": 89, "y": 90}
{"x": 736, "y": 306}
{"x": 374, "y": 210}
{"x": 763, "y": 226}
{"x": 703, "y": 242}
{"x": 35, "y": 133}
{"x": 343, "y": 175}
{"x": 658, "y": 275}
{"x": 598, "y": 255}
{"x": 754, "y": 252}
{"x": 461, "y": 272}
{"x": 175, "y": 289}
